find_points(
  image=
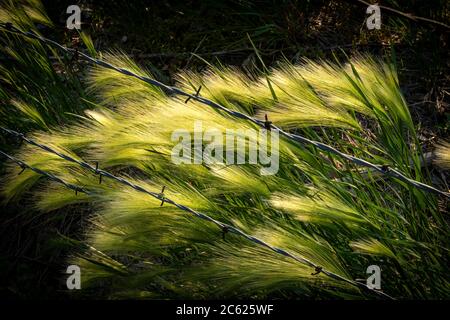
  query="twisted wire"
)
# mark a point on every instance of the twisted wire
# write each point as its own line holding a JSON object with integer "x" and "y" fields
{"x": 160, "y": 196}
{"x": 382, "y": 169}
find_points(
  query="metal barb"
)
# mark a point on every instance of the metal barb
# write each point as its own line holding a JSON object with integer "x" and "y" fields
{"x": 317, "y": 270}
{"x": 98, "y": 172}
{"x": 196, "y": 94}
{"x": 225, "y": 230}
{"x": 23, "y": 169}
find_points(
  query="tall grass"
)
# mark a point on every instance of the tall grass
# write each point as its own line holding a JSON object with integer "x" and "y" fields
{"x": 39, "y": 87}
{"x": 317, "y": 206}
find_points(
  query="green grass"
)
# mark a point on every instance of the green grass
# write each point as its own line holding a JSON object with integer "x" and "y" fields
{"x": 317, "y": 206}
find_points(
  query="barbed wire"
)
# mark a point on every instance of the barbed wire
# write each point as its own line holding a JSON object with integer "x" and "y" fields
{"x": 160, "y": 196}
{"x": 50, "y": 176}
{"x": 382, "y": 169}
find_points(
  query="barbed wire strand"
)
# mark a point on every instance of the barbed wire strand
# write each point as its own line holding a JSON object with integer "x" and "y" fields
{"x": 49, "y": 176}
{"x": 160, "y": 196}
{"x": 383, "y": 169}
